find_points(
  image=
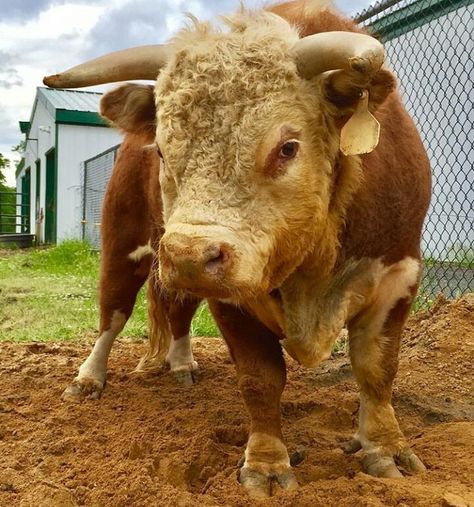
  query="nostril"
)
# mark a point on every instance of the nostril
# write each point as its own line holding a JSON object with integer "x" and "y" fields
{"x": 215, "y": 258}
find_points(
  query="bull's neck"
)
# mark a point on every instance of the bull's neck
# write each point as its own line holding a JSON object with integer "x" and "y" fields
{"x": 323, "y": 258}
{"x": 306, "y": 286}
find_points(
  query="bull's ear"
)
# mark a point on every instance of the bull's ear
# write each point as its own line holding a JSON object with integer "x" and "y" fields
{"x": 352, "y": 95}
{"x": 131, "y": 108}
{"x": 344, "y": 89}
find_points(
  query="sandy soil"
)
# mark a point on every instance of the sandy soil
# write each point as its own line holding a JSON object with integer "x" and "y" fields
{"x": 151, "y": 442}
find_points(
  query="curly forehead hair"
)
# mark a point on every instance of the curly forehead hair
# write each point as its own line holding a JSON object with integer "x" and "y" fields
{"x": 245, "y": 62}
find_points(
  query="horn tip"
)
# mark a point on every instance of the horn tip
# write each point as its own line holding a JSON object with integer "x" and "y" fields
{"x": 52, "y": 81}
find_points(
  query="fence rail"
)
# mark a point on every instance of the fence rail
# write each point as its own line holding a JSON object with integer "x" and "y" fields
{"x": 429, "y": 46}
{"x": 14, "y": 214}
{"x": 96, "y": 174}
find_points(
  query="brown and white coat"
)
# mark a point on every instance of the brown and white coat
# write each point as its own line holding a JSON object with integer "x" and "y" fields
{"x": 255, "y": 208}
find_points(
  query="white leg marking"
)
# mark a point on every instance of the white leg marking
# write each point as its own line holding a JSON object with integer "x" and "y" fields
{"x": 95, "y": 366}
{"x": 180, "y": 355}
{"x": 395, "y": 283}
{"x": 141, "y": 251}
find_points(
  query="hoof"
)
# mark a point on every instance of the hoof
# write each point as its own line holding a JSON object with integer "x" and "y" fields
{"x": 353, "y": 446}
{"x": 298, "y": 456}
{"x": 380, "y": 466}
{"x": 265, "y": 484}
{"x": 185, "y": 378}
{"x": 409, "y": 462}
{"x": 186, "y": 374}
{"x": 83, "y": 389}
{"x": 384, "y": 465}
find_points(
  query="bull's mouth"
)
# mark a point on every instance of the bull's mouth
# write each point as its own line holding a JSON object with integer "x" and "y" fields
{"x": 223, "y": 289}
{"x": 208, "y": 261}
{"x": 201, "y": 293}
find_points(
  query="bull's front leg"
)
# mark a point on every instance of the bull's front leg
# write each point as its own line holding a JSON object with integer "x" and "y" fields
{"x": 261, "y": 373}
{"x": 374, "y": 357}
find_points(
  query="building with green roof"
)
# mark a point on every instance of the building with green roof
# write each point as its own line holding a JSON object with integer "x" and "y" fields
{"x": 64, "y": 130}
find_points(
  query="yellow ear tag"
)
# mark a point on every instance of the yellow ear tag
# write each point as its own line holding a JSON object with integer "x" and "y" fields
{"x": 361, "y": 133}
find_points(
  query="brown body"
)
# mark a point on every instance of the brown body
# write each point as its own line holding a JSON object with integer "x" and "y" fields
{"x": 361, "y": 272}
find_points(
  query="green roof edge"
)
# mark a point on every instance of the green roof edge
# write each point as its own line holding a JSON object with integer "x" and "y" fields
{"x": 413, "y": 16}
{"x": 24, "y": 127}
{"x": 91, "y": 118}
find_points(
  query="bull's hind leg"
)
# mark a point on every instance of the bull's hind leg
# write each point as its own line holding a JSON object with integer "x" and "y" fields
{"x": 374, "y": 341}
{"x": 121, "y": 279}
{"x": 170, "y": 323}
{"x": 261, "y": 373}
{"x": 180, "y": 354}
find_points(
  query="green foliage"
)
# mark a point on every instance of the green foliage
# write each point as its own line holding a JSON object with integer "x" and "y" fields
{"x": 49, "y": 294}
{"x": 20, "y": 147}
{"x": 7, "y": 200}
{"x": 4, "y": 163}
{"x": 203, "y": 324}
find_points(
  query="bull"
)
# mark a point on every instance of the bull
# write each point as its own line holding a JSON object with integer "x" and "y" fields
{"x": 271, "y": 192}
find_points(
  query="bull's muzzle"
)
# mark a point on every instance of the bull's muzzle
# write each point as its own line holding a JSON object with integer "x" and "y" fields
{"x": 197, "y": 264}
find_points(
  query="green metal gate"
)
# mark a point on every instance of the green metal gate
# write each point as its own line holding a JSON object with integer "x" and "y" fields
{"x": 14, "y": 212}
{"x": 25, "y": 202}
{"x": 50, "y": 214}
{"x": 15, "y": 215}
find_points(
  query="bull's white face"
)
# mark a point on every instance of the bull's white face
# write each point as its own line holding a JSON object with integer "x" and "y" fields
{"x": 246, "y": 175}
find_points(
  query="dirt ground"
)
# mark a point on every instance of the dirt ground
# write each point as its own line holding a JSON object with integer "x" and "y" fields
{"x": 151, "y": 442}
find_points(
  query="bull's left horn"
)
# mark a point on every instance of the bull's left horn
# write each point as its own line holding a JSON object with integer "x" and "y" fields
{"x": 143, "y": 62}
{"x": 338, "y": 50}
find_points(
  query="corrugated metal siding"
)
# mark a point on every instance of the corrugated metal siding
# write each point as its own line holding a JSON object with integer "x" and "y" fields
{"x": 71, "y": 100}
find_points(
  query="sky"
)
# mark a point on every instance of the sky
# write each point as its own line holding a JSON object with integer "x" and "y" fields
{"x": 42, "y": 37}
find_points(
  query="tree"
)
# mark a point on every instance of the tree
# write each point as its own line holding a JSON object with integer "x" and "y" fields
{"x": 7, "y": 200}
{"x": 20, "y": 147}
{"x": 4, "y": 163}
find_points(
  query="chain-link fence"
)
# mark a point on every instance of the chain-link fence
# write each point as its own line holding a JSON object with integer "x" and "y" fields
{"x": 96, "y": 173}
{"x": 429, "y": 46}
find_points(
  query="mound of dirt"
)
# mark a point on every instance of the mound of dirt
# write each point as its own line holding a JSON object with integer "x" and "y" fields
{"x": 151, "y": 442}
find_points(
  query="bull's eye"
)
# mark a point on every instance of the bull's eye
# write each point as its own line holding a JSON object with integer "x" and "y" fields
{"x": 289, "y": 150}
{"x": 158, "y": 151}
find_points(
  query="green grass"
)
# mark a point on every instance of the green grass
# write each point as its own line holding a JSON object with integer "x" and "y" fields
{"x": 50, "y": 294}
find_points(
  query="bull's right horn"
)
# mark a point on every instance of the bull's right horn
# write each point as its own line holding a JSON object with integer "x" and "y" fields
{"x": 143, "y": 62}
{"x": 338, "y": 50}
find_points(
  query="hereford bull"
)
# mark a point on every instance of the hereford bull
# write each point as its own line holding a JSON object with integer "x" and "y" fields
{"x": 274, "y": 205}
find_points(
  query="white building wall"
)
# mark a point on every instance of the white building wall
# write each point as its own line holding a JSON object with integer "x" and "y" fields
{"x": 76, "y": 143}
{"x": 39, "y": 141}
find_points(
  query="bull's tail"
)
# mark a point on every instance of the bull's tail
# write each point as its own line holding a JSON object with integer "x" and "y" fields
{"x": 160, "y": 335}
